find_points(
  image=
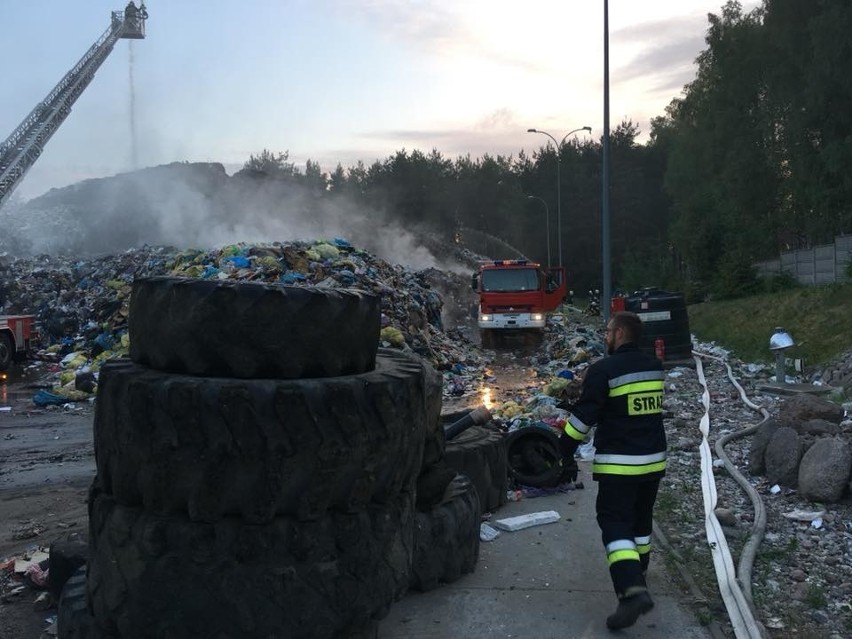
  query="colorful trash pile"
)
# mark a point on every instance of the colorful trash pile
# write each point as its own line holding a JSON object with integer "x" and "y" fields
{"x": 82, "y": 308}
{"x": 82, "y": 304}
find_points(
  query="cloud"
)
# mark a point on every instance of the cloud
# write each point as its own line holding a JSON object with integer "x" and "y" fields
{"x": 456, "y": 31}
{"x": 663, "y": 57}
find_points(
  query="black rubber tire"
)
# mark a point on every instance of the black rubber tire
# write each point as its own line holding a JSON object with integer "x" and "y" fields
{"x": 213, "y": 447}
{"x": 167, "y": 577}
{"x": 432, "y": 485}
{"x": 6, "y": 351}
{"x": 252, "y": 330}
{"x": 543, "y": 469}
{"x": 480, "y": 453}
{"x": 74, "y": 621}
{"x": 446, "y": 537}
{"x": 435, "y": 440}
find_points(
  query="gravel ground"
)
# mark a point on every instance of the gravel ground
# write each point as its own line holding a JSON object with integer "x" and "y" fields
{"x": 802, "y": 575}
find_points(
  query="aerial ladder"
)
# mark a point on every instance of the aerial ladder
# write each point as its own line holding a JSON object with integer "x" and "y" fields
{"x": 24, "y": 146}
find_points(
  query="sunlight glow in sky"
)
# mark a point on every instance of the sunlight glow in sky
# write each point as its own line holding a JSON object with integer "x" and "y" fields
{"x": 337, "y": 81}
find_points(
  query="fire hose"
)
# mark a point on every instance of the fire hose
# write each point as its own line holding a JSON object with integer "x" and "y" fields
{"x": 735, "y": 587}
{"x": 476, "y": 417}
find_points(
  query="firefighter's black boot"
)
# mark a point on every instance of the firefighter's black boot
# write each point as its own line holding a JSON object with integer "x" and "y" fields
{"x": 635, "y": 602}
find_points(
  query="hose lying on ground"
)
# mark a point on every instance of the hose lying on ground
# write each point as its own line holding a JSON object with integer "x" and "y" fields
{"x": 738, "y": 605}
{"x": 758, "y": 528}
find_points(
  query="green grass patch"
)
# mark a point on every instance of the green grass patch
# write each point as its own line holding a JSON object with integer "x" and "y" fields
{"x": 817, "y": 317}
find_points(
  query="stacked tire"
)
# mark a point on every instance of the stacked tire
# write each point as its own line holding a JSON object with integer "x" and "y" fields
{"x": 257, "y": 460}
{"x": 467, "y": 478}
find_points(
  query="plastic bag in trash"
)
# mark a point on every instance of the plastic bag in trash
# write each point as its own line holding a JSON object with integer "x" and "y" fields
{"x": 44, "y": 398}
{"x": 487, "y": 533}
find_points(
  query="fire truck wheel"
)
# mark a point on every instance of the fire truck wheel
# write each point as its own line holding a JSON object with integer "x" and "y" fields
{"x": 73, "y": 619}
{"x": 5, "y": 351}
{"x": 214, "y": 447}
{"x": 252, "y": 330}
{"x": 446, "y": 537}
{"x": 333, "y": 577}
{"x": 534, "y": 456}
{"x": 480, "y": 453}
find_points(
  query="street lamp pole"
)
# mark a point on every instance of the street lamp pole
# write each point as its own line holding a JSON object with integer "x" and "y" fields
{"x": 558, "y": 146}
{"x": 606, "y": 285}
{"x": 546, "y": 223}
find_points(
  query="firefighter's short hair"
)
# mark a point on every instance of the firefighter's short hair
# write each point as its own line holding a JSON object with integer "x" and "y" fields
{"x": 630, "y": 323}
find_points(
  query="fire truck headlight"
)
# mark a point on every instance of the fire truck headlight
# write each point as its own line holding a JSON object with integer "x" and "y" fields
{"x": 485, "y": 318}
{"x": 537, "y": 317}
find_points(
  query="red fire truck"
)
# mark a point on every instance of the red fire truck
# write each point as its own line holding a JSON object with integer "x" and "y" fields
{"x": 516, "y": 294}
{"x": 17, "y": 332}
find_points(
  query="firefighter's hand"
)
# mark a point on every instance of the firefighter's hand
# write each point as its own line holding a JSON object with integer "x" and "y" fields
{"x": 567, "y": 447}
{"x": 569, "y": 471}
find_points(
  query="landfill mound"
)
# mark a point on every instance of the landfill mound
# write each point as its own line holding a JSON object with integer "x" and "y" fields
{"x": 198, "y": 204}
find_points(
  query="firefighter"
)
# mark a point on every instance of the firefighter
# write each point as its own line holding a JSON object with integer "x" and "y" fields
{"x": 622, "y": 397}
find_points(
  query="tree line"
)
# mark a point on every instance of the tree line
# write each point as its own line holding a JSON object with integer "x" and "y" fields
{"x": 750, "y": 160}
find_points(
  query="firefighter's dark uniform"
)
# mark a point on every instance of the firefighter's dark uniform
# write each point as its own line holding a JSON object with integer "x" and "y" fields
{"x": 622, "y": 397}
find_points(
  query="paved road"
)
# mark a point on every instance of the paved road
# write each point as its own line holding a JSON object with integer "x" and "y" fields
{"x": 543, "y": 582}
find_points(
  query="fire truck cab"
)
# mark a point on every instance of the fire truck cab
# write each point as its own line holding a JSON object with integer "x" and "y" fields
{"x": 516, "y": 294}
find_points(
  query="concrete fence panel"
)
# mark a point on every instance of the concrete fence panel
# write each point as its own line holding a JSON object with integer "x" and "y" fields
{"x": 818, "y": 265}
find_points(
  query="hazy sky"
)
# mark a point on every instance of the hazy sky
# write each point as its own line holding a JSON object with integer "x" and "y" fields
{"x": 339, "y": 80}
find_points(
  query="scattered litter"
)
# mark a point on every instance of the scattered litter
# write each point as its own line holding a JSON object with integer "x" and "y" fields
{"x": 487, "y": 533}
{"x": 526, "y": 521}
{"x": 586, "y": 451}
{"x": 805, "y": 515}
{"x": 775, "y": 489}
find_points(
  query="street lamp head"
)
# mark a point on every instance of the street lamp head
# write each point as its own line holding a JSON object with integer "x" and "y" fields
{"x": 531, "y": 131}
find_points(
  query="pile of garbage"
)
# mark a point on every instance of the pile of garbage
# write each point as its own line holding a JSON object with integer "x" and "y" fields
{"x": 82, "y": 304}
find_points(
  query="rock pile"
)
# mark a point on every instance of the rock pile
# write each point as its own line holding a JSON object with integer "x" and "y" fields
{"x": 808, "y": 446}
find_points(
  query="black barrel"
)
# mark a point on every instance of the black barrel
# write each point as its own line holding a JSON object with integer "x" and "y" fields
{"x": 663, "y": 317}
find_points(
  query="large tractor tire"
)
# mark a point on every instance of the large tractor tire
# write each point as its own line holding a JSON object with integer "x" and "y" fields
{"x": 436, "y": 441}
{"x": 74, "y": 620}
{"x": 155, "y": 576}
{"x": 446, "y": 537}
{"x": 252, "y": 330}
{"x": 479, "y": 452}
{"x": 214, "y": 448}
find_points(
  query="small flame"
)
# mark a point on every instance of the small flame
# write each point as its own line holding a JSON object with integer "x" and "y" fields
{"x": 486, "y": 397}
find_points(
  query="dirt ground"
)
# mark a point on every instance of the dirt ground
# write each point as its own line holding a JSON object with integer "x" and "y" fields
{"x": 46, "y": 465}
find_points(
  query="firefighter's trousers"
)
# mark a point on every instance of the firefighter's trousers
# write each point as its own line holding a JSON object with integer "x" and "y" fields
{"x": 625, "y": 513}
